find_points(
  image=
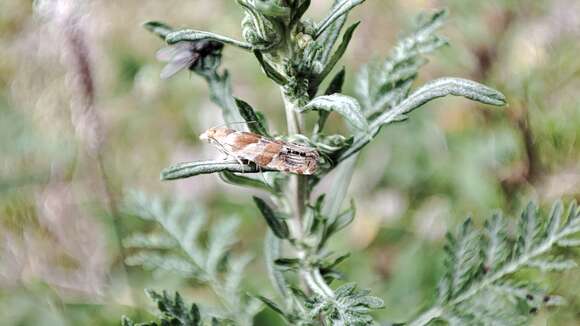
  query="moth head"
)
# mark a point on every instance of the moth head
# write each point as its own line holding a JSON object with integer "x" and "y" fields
{"x": 215, "y": 134}
{"x": 208, "y": 135}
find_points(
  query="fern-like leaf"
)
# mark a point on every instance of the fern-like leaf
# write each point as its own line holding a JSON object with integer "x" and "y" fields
{"x": 476, "y": 288}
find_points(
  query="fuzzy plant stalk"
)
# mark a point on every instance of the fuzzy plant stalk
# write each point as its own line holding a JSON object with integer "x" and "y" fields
{"x": 301, "y": 57}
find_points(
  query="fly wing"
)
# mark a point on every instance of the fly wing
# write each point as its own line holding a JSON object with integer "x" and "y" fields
{"x": 167, "y": 53}
{"x": 177, "y": 64}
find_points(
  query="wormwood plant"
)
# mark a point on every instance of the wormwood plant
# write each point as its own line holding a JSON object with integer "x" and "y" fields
{"x": 299, "y": 56}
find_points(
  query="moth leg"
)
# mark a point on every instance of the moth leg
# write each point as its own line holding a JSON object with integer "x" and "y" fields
{"x": 262, "y": 174}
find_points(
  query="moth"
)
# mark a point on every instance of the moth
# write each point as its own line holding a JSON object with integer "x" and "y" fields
{"x": 264, "y": 152}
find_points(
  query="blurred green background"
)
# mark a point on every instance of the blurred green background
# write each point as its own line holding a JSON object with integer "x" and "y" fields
{"x": 68, "y": 154}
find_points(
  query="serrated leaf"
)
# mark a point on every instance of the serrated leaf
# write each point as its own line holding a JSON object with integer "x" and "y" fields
{"x": 194, "y": 35}
{"x": 276, "y": 223}
{"x": 252, "y": 120}
{"x": 383, "y": 86}
{"x": 344, "y": 105}
{"x": 158, "y": 28}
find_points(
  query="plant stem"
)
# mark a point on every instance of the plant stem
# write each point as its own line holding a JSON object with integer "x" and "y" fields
{"x": 298, "y": 190}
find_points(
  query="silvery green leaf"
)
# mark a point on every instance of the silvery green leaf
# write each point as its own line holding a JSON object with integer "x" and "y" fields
{"x": 234, "y": 275}
{"x": 272, "y": 305}
{"x": 440, "y": 88}
{"x": 158, "y": 28}
{"x": 554, "y": 220}
{"x": 344, "y": 105}
{"x": 149, "y": 241}
{"x": 337, "y": 223}
{"x": 340, "y": 9}
{"x": 190, "y": 169}
{"x": 275, "y": 222}
{"x": 337, "y": 82}
{"x": 432, "y": 90}
{"x": 328, "y": 39}
{"x": 155, "y": 261}
{"x": 300, "y": 10}
{"x": 569, "y": 243}
{"x": 529, "y": 230}
{"x": 572, "y": 223}
{"x": 269, "y": 70}
{"x": 239, "y": 180}
{"x": 382, "y": 86}
{"x": 552, "y": 264}
{"x": 481, "y": 287}
{"x": 496, "y": 247}
{"x": 338, "y": 53}
{"x": 288, "y": 263}
{"x": 463, "y": 259}
{"x": 335, "y": 198}
{"x": 271, "y": 9}
{"x": 335, "y": 86}
{"x": 271, "y": 254}
{"x": 252, "y": 120}
{"x": 194, "y": 35}
{"x": 221, "y": 238}
{"x": 220, "y": 87}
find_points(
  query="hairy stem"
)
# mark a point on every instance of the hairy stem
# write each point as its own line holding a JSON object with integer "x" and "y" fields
{"x": 298, "y": 183}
